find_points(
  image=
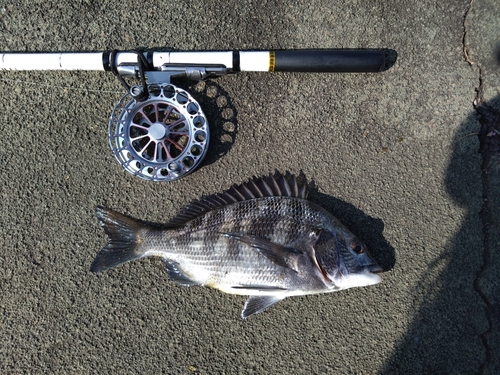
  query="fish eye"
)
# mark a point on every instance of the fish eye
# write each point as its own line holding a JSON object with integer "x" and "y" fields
{"x": 357, "y": 247}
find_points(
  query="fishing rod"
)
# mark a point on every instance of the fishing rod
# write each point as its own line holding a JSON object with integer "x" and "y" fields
{"x": 158, "y": 131}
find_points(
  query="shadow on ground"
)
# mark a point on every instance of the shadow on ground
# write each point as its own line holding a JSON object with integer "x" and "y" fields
{"x": 449, "y": 330}
{"x": 222, "y": 116}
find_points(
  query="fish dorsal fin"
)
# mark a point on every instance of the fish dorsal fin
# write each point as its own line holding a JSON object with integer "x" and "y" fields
{"x": 277, "y": 185}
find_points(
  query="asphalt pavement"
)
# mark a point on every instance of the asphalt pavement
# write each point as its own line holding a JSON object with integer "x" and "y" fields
{"x": 408, "y": 159}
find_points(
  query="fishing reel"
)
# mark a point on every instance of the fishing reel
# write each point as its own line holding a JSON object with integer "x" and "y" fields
{"x": 158, "y": 131}
{"x": 161, "y": 138}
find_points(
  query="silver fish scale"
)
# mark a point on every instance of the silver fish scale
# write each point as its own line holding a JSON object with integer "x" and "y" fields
{"x": 206, "y": 255}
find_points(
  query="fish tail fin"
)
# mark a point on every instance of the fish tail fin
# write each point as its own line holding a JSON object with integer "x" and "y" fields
{"x": 123, "y": 245}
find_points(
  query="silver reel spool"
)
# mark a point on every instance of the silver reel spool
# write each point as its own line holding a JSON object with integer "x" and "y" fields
{"x": 162, "y": 138}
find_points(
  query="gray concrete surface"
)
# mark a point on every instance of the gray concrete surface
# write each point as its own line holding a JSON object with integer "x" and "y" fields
{"x": 394, "y": 155}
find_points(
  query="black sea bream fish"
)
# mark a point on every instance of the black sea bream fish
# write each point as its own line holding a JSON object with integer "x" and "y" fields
{"x": 262, "y": 239}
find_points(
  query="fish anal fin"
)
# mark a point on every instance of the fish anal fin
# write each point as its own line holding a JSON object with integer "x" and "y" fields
{"x": 281, "y": 255}
{"x": 177, "y": 276}
{"x": 257, "y": 304}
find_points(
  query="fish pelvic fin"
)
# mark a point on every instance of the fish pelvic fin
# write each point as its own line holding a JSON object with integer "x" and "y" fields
{"x": 257, "y": 304}
{"x": 123, "y": 244}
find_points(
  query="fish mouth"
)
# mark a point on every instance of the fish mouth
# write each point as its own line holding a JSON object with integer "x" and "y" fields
{"x": 375, "y": 268}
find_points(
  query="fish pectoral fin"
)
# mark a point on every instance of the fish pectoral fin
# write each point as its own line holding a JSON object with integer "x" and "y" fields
{"x": 257, "y": 304}
{"x": 281, "y": 255}
{"x": 177, "y": 276}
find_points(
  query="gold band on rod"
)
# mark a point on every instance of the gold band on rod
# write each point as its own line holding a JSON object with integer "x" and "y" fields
{"x": 272, "y": 61}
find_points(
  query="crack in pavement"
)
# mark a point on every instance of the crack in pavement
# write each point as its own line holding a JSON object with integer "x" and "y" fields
{"x": 464, "y": 37}
{"x": 489, "y": 141}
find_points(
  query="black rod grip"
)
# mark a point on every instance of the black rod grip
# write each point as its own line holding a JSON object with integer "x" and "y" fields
{"x": 344, "y": 61}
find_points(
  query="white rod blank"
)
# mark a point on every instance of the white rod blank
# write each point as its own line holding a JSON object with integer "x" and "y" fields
{"x": 249, "y": 60}
{"x": 51, "y": 61}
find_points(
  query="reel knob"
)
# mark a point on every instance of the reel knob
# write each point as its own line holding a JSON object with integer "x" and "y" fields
{"x": 161, "y": 138}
